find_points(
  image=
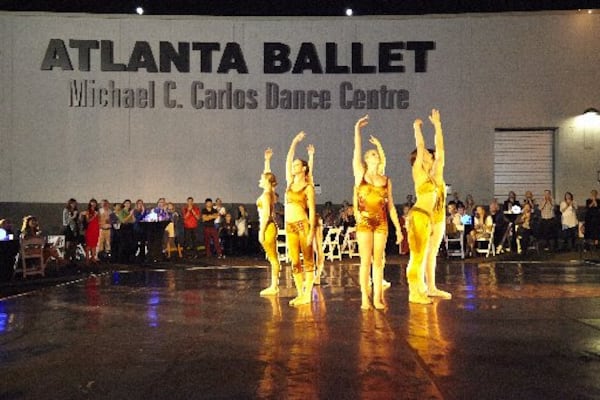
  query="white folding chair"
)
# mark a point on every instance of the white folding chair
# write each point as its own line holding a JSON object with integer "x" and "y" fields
{"x": 331, "y": 244}
{"x": 349, "y": 244}
{"x": 32, "y": 256}
{"x": 282, "y": 245}
{"x": 455, "y": 246}
{"x": 486, "y": 245}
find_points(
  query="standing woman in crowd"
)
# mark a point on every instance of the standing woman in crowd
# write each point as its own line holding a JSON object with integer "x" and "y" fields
{"x": 92, "y": 231}
{"x": 424, "y": 227}
{"x": 70, "y": 221}
{"x": 592, "y": 218}
{"x": 569, "y": 222}
{"x": 372, "y": 201}
{"x": 299, "y": 222}
{"x": 267, "y": 233}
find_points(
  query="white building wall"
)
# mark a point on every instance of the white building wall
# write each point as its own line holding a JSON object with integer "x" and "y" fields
{"x": 486, "y": 72}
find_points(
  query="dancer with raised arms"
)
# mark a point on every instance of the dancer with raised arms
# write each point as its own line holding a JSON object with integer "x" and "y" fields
{"x": 267, "y": 234}
{"x": 423, "y": 222}
{"x": 300, "y": 222}
{"x": 372, "y": 200}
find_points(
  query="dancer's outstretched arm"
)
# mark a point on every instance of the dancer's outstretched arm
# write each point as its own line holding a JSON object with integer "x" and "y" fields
{"x": 311, "y": 162}
{"x": 440, "y": 156}
{"x": 382, "y": 160}
{"x": 419, "y": 141}
{"x": 290, "y": 156}
{"x": 394, "y": 214}
{"x": 357, "y": 164}
{"x": 268, "y": 155}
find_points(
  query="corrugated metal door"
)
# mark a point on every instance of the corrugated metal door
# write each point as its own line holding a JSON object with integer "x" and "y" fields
{"x": 523, "y": 160}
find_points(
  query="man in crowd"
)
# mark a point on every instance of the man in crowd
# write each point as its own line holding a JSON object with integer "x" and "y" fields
{"x": 191, "y": 215}
{"x": 209, "y": 215}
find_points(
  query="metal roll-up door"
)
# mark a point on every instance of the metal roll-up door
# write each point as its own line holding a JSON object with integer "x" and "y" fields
{"x": 523, "y": 160}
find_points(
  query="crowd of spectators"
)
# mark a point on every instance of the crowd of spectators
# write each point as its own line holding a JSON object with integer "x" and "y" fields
{"x": 117, "y": 232}
{"x": 516, "y": 225}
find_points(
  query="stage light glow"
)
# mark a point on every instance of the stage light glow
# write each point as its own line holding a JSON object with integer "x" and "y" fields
{"x": 139, "y": 10}
{"x": 349, "y": 12}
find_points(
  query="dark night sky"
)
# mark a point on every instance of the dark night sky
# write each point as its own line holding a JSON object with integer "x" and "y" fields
{"x": 294, "y": 7}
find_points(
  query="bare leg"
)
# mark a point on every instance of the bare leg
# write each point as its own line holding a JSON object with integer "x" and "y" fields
{"x": 419, "y": 233}
{"x": 434, "y": 245}
{"x": 378, "y": 265}
{"x": 365, "y": 250}
{"x": 299, "y": 283}
{"x": 270, "y": 246}
{"x": 318, "y": 248}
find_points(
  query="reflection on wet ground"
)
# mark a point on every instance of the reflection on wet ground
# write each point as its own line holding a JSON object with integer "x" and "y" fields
{"x": 512, "y": 330}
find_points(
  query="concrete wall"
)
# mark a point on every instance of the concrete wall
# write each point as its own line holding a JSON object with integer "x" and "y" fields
{"x": 486, "y": 72}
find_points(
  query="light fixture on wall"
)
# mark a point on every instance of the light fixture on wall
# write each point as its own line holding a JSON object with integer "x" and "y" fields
{"x": 590, "y": 111}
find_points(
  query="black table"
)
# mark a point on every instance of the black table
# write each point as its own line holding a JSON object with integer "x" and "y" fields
{"x": 154, "y": 235}
{"x": 8, "y": 252}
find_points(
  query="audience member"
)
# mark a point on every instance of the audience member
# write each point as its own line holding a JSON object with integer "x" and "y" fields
{"x": 569, "y": 222}
{"x": 139, "y": 230}
{"x": 510, "y": 202}
{"x": 329, "y": 215}
{"x": 500, "y": 221}
{"x": 209, "y": 215}
{"x": 548, "y": 230}
{"x": 191, "y": 216}
{"x": 127, "y": 220}
{"x": 221, "y": 210}
{"x": 241, "y": 223}
{"x": 592, "y": 218}
{"x": 279, "y": 212}
{"x": 30, "y": 229}
{"x": 105, "y": 230}
{"x": 482, "y": 228}
{"x": 70, "y": 222}
{"x": 228, "y": 234}
{"x": 404, "y": 249}
{"x": 524, "y": 229}
{"x": 115, "y": 238}
{"x": 91, "y": 222}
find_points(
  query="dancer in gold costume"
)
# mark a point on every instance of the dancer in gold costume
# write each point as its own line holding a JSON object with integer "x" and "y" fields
{"x": 372, "y": 200}
{"x": 439, "y": 211}
{"x": 267, "y": 234}
{"x": 425, "y": 222}
{"x": 299, "y": 222}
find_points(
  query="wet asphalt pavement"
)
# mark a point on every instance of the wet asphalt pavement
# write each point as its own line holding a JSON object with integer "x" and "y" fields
{"x": 199, "y": 330}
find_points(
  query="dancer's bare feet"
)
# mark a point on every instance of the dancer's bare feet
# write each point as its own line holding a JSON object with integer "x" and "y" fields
{"x": 302, "y": 300}
{"x": 294, "y": 301}
{"x": 435, "y": 292}
{"x": 419, "y": 298}
{"x": 366, "y": 303}
{"x": 270, "y": 291}
{"x": 379, "y": 305}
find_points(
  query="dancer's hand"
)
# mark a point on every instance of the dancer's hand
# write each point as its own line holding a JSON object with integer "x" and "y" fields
{"x": 301, "y": 135}
{"x": 374, "y": 141}
{"x": 418, "y": 123}
{"x": 362, "y": 122}
{"x": 399, "y": 236}
{"x": 435, "y": 117}
{"x": 268, "y": 153}
{"x": 310, "y": 149}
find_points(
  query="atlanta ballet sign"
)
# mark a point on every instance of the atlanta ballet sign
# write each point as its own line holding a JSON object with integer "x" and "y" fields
{"x": 398, "y": 57}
